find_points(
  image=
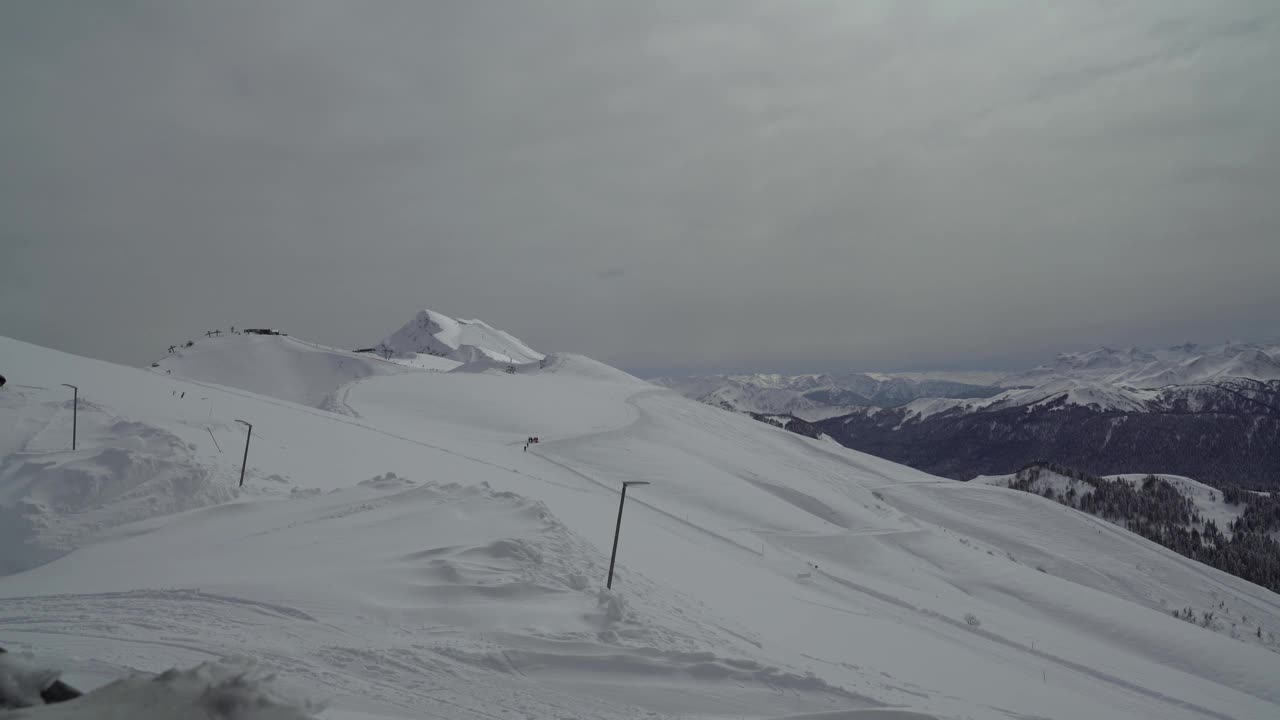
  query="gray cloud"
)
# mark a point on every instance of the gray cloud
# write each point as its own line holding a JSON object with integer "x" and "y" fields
{"x": 799, "y": 185}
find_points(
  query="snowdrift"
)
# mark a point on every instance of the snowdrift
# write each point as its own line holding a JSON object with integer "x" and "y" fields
{"x": 53, "y": 498}
{"x": 232, "y": 689}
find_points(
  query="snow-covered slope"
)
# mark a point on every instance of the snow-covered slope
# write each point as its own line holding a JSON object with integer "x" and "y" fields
{"x": 416, "y": 561}
{"x": 431, "y": 333}
{"x": 568, "y": 364}
{"x": 278, "y": 366}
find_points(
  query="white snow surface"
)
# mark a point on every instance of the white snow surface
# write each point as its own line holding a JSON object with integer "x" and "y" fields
{"x": 432, "y": 333}
{"x": 224, "y": 690}
{"x": 278, "y": 366}
{"x": 412, "y": 560}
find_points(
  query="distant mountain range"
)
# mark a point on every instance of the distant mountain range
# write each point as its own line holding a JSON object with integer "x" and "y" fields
{"x": 815, "y": 395}
{"x": 1178, "y": 365}
{"x": 1208, "y": 412}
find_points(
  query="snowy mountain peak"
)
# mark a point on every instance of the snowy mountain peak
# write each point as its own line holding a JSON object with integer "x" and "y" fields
{"x": 433, "y": 333}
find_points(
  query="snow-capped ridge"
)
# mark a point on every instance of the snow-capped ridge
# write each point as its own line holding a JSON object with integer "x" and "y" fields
{"x": 465, "y": 341}
{"x": 1105, "y": 379}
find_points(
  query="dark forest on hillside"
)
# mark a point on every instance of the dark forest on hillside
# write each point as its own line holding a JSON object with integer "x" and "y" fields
{"x": 1156, "y": 510}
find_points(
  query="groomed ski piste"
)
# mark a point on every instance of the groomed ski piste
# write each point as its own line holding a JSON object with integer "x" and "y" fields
{"x": 406, "y": 557}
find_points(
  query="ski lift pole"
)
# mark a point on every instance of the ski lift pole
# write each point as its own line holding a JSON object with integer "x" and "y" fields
{"x": 247, "y": 437}
{"x": 618, "y": 529}
{"x": 75, "y": 410}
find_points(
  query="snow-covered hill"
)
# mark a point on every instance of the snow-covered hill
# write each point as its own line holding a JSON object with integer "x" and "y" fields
{"x": 433, "y": 334}
{"x": 413, "y": 560}
{"x": 278, "y": 366}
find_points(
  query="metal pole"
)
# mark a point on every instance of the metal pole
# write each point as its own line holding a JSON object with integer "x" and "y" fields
{"x": 245, "y": 461}
{"x": 618, "y": 529}
{"x": 75, "y": 410}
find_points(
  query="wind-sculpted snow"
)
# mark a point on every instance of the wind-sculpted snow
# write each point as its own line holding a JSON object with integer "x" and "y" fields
{"x": 233, "y": 689}
{"x": 123, "y": 471}
{"x": 22, "y": 681}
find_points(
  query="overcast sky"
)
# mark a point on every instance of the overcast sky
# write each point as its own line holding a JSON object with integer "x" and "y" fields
{"x": 675, "y": 186}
